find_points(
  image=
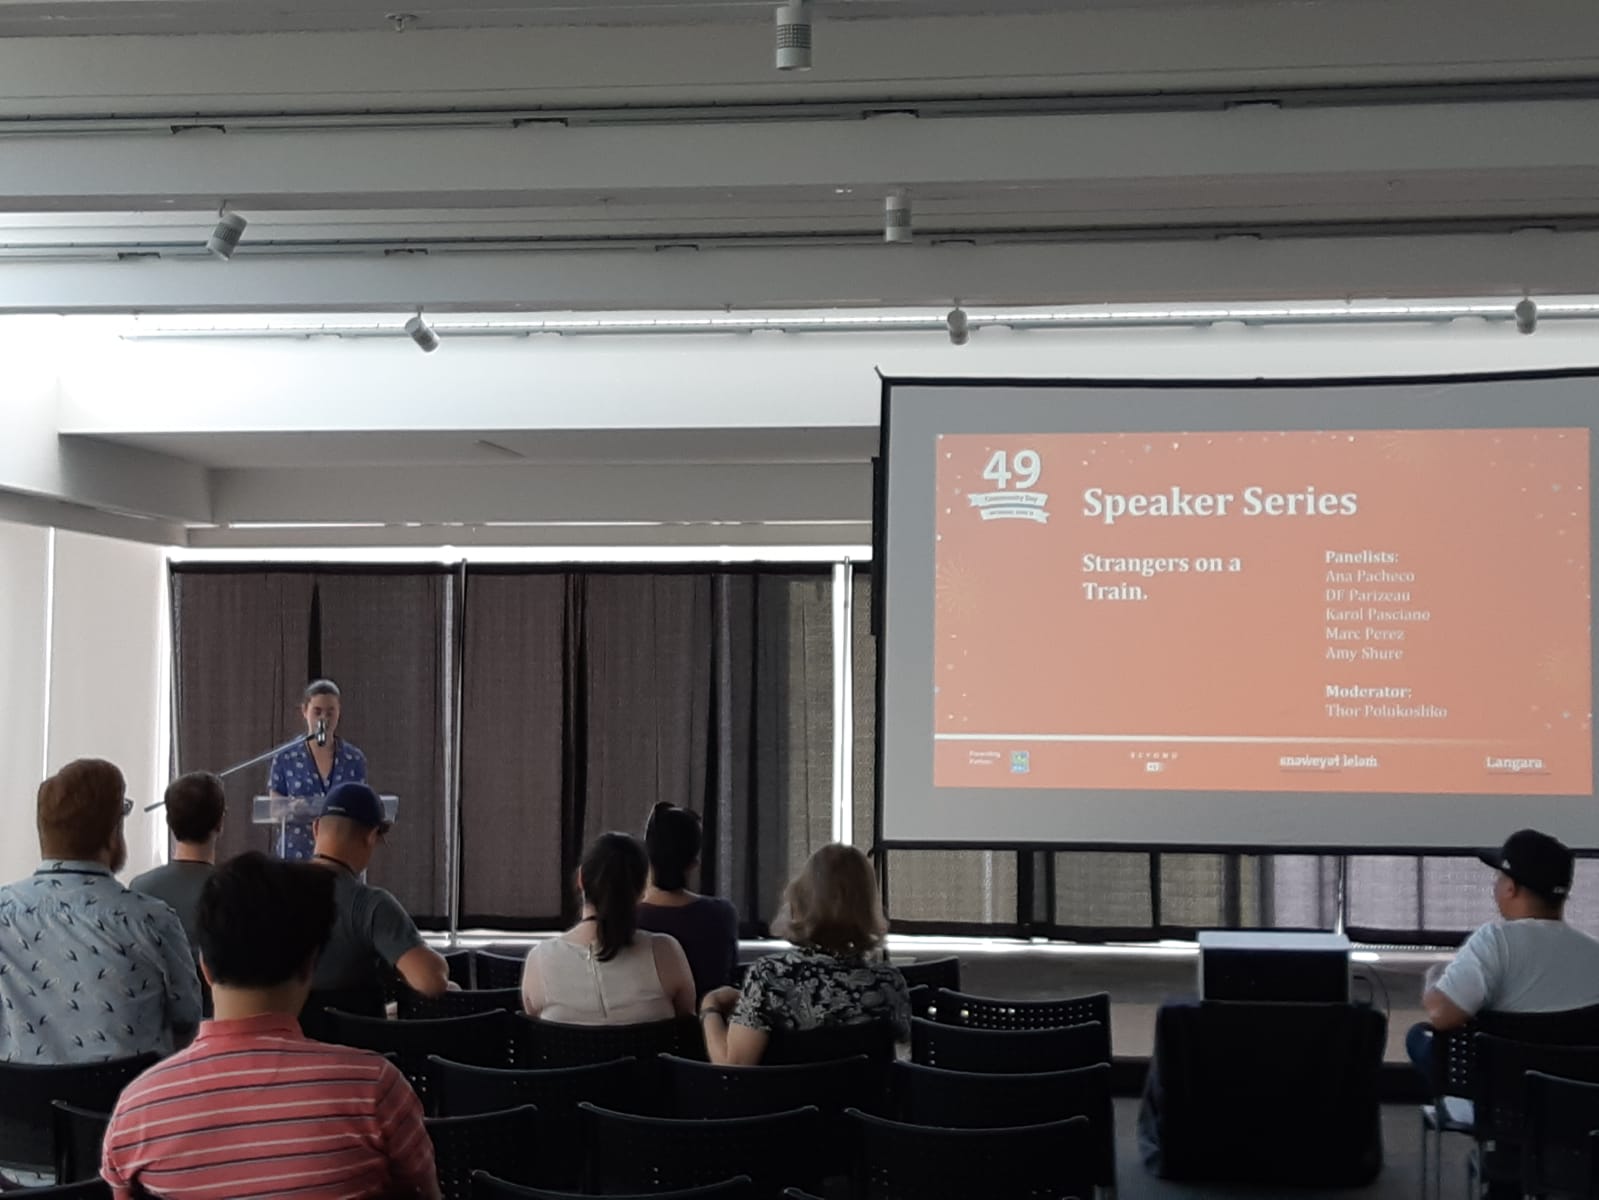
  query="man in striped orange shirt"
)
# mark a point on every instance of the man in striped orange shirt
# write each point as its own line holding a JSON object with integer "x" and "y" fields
{"x": 253, "y": 1108}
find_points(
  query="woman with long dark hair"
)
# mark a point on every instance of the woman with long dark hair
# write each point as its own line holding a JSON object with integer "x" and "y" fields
{"x": 705, "y": 926}
{"x": 605, "y": 970}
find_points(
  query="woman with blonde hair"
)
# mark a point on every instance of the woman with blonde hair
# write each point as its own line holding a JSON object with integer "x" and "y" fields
{"x": 836, "y": 923}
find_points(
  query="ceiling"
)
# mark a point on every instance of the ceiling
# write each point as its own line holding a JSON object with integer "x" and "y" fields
{"x": 56, "y": 18}
{"x": 584, "y": 447}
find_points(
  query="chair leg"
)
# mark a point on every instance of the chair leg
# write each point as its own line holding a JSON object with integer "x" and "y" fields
{"x": 1425, "y": 1150}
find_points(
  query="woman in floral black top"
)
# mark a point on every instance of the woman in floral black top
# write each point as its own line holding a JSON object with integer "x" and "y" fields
{"x": 835, "y": 921}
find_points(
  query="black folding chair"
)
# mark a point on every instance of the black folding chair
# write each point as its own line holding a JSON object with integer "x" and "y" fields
{"x": 1500, "y": 1102}
{"x": 703, "y": 1090}
{"x": 87, "y": 1189}
{"x": 460, "y": 1090}
{"x": 27, "y": 1120}
{"x": 360, "y": 1002}
{"x": 495, "y": 971}
{"x": 414, "y": 1006}
{"x": 873, "y": 1039}
{"x": 1454, "y": 1067}
{"x": 935, "y": 973}
{"x": 997, "y": 1052}
{"x": 459, "y": 963}
{"x": 654, "y": 1154}
{"x": 79, "y": 1136}
{"x": 1560, "y": 1150}
{"x": 987, "y": 1012}
{"x": 504, "y": 1144}
{"x": 796, "y": 1194}
{"x": 484, "y": 1039}
{"x": 486, "y": 1187}
{"x": 973, "y": 1100}
{"x": 896, "y": 1161}
{"x": 921, "y": 999}
{"x": 557, "y": 1044}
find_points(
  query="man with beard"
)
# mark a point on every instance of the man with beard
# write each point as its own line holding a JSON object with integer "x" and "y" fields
{"x": 88, "y": 969}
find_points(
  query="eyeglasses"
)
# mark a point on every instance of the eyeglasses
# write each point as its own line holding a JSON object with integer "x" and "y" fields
{"x": 127, "y": 805}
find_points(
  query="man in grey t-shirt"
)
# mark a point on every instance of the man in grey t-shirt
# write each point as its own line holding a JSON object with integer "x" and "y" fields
{"x": 1529, "y": 962}
{"x": 371, "y": 929}
{"x": 194, "y": 805}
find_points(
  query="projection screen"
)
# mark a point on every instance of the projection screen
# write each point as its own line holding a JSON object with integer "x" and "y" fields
{"x": 1349, "y": 614}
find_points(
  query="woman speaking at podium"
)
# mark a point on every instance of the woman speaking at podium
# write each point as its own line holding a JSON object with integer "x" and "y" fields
{"x": 308, "y": 770}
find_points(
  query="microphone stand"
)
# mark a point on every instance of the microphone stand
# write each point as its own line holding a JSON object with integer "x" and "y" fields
{"x": 249, "y": 762}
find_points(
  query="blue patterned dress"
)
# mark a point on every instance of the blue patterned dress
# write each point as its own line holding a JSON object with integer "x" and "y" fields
{"x": 294, "y": 773}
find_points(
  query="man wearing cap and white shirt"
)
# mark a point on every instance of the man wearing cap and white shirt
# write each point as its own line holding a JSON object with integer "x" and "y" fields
{"x": 1529, "y": 962}
{"x": 371, "y": 928}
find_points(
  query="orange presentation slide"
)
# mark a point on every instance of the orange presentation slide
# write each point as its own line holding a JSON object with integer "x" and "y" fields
{"x": 1342, "y": 610}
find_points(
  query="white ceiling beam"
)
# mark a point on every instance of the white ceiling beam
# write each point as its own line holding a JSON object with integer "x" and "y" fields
{"x": 1098, "y": 47}
{"x": 484, "y": 168}
{"x": 822, "y": 276}
{"x": 697, "y": 492}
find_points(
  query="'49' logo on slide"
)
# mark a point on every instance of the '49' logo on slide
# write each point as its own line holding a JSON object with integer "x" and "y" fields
{"x": 1007, "y": 503}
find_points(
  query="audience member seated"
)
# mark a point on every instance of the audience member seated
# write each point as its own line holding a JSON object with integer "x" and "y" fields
{"x": 253, "y": 1108}
{"x": 836, "y": 923}
{"x": 705, "y": 926}
{"x": 194, "y": 804}
{"x": 371, "y": 929}
{"x": 605, "y": 970}
{"x": 89, "y": 970}
{"x": 1529, "y": 962}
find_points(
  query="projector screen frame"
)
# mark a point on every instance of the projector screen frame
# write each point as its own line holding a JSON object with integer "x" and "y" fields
{"x": 880, "y": 607}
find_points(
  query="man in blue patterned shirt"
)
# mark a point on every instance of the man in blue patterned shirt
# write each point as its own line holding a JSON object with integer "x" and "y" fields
{"x": 89, "y": 970}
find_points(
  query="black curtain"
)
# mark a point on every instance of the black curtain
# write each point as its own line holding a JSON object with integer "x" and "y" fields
{"x": 245, "y": 639}
{"x": 591, "y": 695}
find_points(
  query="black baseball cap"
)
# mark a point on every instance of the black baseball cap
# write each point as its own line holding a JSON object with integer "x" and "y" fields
{"x": 356, "y": 802}
{"x": 1536, "y": 861}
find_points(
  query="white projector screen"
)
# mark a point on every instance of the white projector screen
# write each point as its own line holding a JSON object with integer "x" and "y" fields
{"x": 1321, "y": 615}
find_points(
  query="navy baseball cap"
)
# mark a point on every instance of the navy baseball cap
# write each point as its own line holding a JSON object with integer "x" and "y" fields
{"x": 1535, "y": 861}
{"x": 356, "y": 802}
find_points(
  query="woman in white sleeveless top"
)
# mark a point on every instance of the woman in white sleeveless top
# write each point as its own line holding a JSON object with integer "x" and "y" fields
{"x": 605, "y": 970}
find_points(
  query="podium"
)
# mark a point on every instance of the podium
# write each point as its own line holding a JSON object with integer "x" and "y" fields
{"x": 278, "y": 811}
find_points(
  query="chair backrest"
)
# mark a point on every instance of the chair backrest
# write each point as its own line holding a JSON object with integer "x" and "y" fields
{"x": 494, "y": 971}
{"x": 459, "y": 963}
{"x": 936, "y": 973}
{"x": 486, "y": 1187}
{"x": 414, "y": 1006}
{"x": 27, "y": 1121}
{"x": 987, "y": 1012}
{"x": 87, "y": 1189}
{"x": 655, "y": 1154}
{"x": 78, "y": 1135}
{"x": 973, "y": 1100}
{"x": 796, "y": 1194}
{"x": 897, "y": 1161}
{"x": 921, "y": 998}
{"x": 461, "y": 1090}
{"x": 360, "y": 1002}
{"x": 700, "y": 1089}
{"x": 557, "y": 1044}
{"x": 1559, "y": 1146}
{"x": 998, "y": 1052}
{"x": 1502, "y": 1067}
{"x": 1454, "y": 1052}
{"x": 483, "y": 1039}
{"x": 874, "y": 1039}
{"x": 505, "y": 1144}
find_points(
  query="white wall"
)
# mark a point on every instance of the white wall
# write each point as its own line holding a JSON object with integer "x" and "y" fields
{"x": 24, "y": 633}
{"x": 82, "y": 674}
{"x": 108, "y": 670}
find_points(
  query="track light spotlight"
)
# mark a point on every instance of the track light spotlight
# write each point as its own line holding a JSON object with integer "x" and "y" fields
{"x": 897, "y": 217}
{"x": 960, "y": 331}
{"x": 224, "y": 239}
{"x": 794, "y": 36}
{"x": 423, "y": 334}
{"x": 1526, "y": 315}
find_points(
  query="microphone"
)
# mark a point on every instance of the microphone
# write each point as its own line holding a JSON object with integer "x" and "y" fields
{"x": 321, "y": 734}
